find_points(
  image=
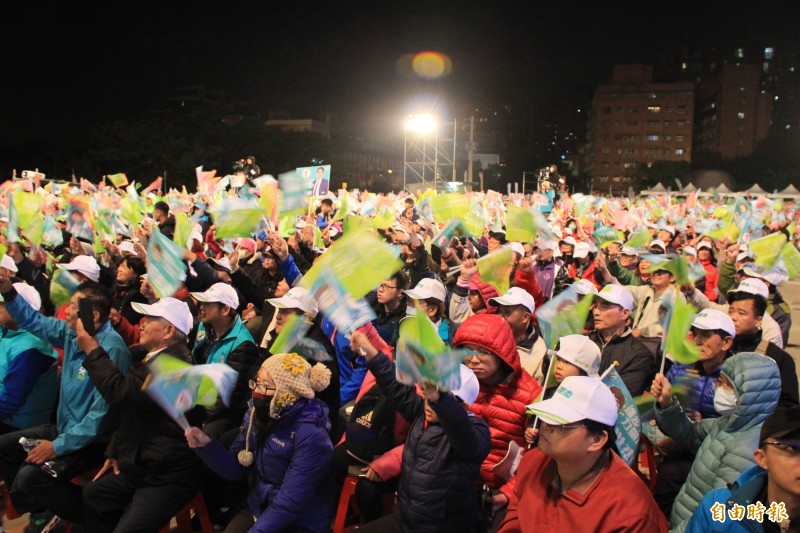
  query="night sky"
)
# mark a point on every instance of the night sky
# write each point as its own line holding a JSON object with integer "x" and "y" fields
{"x": 67, "y": 66}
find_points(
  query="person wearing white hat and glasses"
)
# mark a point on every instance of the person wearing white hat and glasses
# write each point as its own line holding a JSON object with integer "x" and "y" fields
{"x": 29, "y": 371}
{"x": 573, "y": 481}
{"x": 223, "y": 338}
{"x": 517, "y": 308}
{"x": 150, "y": 472}
{"x": 636, "y": 364}
{"x": 444, "y": 450}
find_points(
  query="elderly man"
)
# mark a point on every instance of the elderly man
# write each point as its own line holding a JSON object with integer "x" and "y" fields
{"x": 77, "y": 441}
{"x": 150, "y": 472}
{"x": 573, "y": 481}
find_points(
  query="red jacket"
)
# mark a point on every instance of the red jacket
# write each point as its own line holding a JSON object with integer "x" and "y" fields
{"x": 587, "y": 274}
{"x": 501, "y": 405}
{"x": 616, "y": 501}
{"x": 712, "y": 279}
{"x": 528, "y": 281}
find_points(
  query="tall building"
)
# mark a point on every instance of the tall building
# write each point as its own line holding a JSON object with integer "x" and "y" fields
{"x": 636, "y": 122}
{"x": 733, "y": 112}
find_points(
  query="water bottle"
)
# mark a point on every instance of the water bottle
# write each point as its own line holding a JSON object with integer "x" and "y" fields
{"x": 28, "y": 444}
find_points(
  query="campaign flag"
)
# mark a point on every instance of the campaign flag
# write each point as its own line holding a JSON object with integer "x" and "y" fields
{"x": 346, "y": 313}
{"x": 315, "y": 180}
{"x": 423, "y": 356}
{"x": 183, "y": 229}
{"x": 360, "y": 261}
{"x": 62, "y": 287}
{"x": 118, "y": 180}
{"x": 627, "y": 430}
{"x": 155, "y": 185}
{"x": 639, "y": 240}
{"x": 442, "y": 239}
{"x": 178, "y": 386}
{"x": 673, "y": 263}
{"x": 51, "y": 234}
{"x": 28, "y": 216}
{"x": 605, "y": 235}
{"x": 165, "y": 266}
{"x": 696, "y": 271}
{"x": 563, "y": 315}
{"x": 495, "y": 269}
{"x": 447, "y": 206}
{"x": 269, "y": 199}
{"x": 237, "y": 218}
{"x": 520, "y": 225}
{"x": 768, "y": 249}
{"x": 80, "y": 221}
{"x": 741, "y": 212}
{"x": 293, "y": 194}
{"x": 675, "y": 317}
{"x": 206, "y": 182}
{"x": 790, "y": 258}
{"x": 291, "y": 333}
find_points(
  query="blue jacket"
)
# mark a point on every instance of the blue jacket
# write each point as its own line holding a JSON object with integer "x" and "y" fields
{"x": 746, "y": 490}
{"x": 29, "y": 377}
{"x": 352, "y": 368}
{"x": 702, "y": 392}
{"x": 82, "y": 411}
{"x": 294, "y": 481}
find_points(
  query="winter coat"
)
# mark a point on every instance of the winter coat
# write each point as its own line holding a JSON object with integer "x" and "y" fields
{"x": 712, "y": 278}
{"x": 123, "y": 297}
{"x": 786, "y": 366}
{"x": 546, "y": 274}
{"x": 724, "y": 446}
{"x": 293, "y": 481}
{"x": 459, "y": 309}
{"x": 501, "y": 405}
{"x": 441, "y": 462}
{"x": 747, "y": 489}
{"x": 168, "y": 227}
{"x": 637, "y": 366}
{"x": 388, "y": 324}
{"x": 587, "y": 272}
{"x": 702, "y": 392}
{"x": 646, "y": 303}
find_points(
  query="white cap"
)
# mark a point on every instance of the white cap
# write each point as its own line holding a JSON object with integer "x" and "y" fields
{"x": 29, "y": 294}
{"x": 582, "y": 352}
{"x": 617, "y": 294}
{"x": 688, "y": 250}
{"x": 582, "y": 250}
{"x": 584, "y": 287}
{"x": 568, "y": 240}
{"x": 83, "y": 264}
{"x": 659, "y": 243}
{"x": 744, "y": 255}
{"x": 428, "y": 288}
{"x": 220, "y": 293}
{"x": 515, "y": 296}
{"x": 627, "y": 250}
{"x": 127, "y": 247}
{"x": 773, "y": 276}
{"x": 704, "y": 244}
{"x": 172, "y": 310}
{"x": 578, "y": 398}
{"x": 517, "y": 247}
{"x": 469, "y": 388}
{"x": 223, "y": 264}
{"x": 668, "y": 229}
{"x": 752, "y": 286}
{"x": 8, "y": 263}
{"x": 300, "y": 224}
{"x": 544, "y": 244}
{"x": 296, "y": 298}
{"x": 714, "y": 319}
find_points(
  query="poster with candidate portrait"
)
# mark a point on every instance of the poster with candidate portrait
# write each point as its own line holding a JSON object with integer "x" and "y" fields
{"x": 316, "y": 180}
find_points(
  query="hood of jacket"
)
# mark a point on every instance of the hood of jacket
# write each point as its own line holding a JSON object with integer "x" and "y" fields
{"x": 492, "y": 333}
{"x": 487, "y": 292}
{"x": 757, "y": 383}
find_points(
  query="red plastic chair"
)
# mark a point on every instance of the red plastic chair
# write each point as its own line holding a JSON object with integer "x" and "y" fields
{"x": 647, "y": 461}
{"x": 348, "y": 489}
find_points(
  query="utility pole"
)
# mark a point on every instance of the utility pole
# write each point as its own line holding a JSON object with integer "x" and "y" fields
{"x": 471, "y": 151}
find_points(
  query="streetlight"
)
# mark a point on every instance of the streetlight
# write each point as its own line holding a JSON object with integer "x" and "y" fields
{"x": 423, "y": 124}
{"x": 429, "y": 149}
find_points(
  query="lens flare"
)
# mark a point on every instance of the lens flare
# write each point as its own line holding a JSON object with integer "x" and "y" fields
{"x": 431, "y": 65}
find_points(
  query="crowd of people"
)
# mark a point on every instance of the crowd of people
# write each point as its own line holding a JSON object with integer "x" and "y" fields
{"x": 725, "y": 426}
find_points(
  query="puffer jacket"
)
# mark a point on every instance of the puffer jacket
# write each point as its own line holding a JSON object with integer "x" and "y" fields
{"x": 712, "y": 278}
{"x": 747, "y": 490}
{"x": 460, "y": 309}
{"x": 702, "y": 386}
{"x": 501, "y": 405}
{"x": 441, "y": 462}
{"x": 293, "y": 463}
{"x": 724, "y": 445}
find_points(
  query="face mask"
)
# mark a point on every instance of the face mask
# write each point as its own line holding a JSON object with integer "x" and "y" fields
{"x": 411, "y": 311}
{"x": 262, "y": 409}
{"x": 725, "y": 401}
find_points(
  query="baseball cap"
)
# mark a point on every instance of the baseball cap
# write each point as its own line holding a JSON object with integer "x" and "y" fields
{"x": 658, "y": 243}
{"x": 668, "y": 229}
{"x": 772, "y": 275}
{"x": 747, "y": 254}
{"x": 568, "y": 240}
{"x": 517, "y": 247}
{"x": 544, "y": 244}
{"x": 627, "y": 250}
{"x": 8, "y": 263}
{"x": 222, "y": 263}
{"x": 581, "y": 351}
{"x": 469, "y": 388}
{"x": 706, "y": 245}
{"x": 172, "y": 310}
{"x": 714, "y": 319}
{"x": 29, "y": 294}
{"x": 515, "y": 296}
{"x": 581, "y": 250}
{"x": 220, "y": 293}
{"x": 126, "y": 247}
{"x": 83, "y": 264}
{"x": 578, "y": 398}
{"x": 617, "y": 294}
{"x": 751, "y": 286}
{"x": 783, "y": 423}
{"x": 688, "y": 250}
{"x": 248, "y": 244}
{"x": 296, "y": 298}
{"x": 428, "y": 288}
{"x": 584, "y": 287}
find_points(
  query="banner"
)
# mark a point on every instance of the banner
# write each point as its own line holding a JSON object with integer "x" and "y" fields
{"x": 165, "y": 266}
{"x": 563, "y": 315}
{"x": 315, "y": 180}
{"x": 495, "y": 269}
{"x": 627, "y": 430}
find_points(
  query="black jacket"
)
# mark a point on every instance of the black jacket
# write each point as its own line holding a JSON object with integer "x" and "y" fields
{"x": 441, "y": 462}
{"x": 637, "y": 366}
{"x": 752, "y": 343}
{"x": 168, "y": 228}
{"x": 148, "y": 444}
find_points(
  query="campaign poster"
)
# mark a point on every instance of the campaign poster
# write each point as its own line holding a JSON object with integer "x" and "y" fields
{"x": 316, "y": 180}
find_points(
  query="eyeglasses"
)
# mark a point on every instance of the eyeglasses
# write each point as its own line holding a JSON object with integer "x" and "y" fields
{"x": 254, "y": 385}
{"x": 386, "y": 287}
{"x": 561, "y": 429}
{"x": 792, "y": 448}
{"x": 482, "y": 356}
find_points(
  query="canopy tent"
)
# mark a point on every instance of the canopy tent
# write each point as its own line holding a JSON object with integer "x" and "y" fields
{"x": 791, "y": 189}
{"x": 723, "y": 189}
{"x": 658, "y": 189}
{"x": 755, "y": 189}
{"x": 689, "y": 188}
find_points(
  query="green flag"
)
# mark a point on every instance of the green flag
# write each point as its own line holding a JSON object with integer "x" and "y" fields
{"x": 520, "y": 225}
{"x": 677, "y": 345}
{"x": 768, "y": 249}
{"x": 118, "y": 180}
{"x": 29, "y": 216}
{"x": 639, "y": 240}
{"x": 673, "y": 263}
{"x": 447, "y": 206}
{"x": 62, "y": 287}
{"x": 605, "y": 235}
{"x": 183, "y": 229}
{"x": 359, "y": 260}
{"x": 165, "y": 265}
{"x": 495, "y": 269}
{"x": 791, "y": 260}
{"x": 292, "y": 331}
{"x": 563, "y": 315}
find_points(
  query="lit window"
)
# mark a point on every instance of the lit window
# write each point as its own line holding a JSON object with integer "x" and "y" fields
{"x": 679, "y": 151}
{"x": 740, "y": 53}
{"x": 741, "y": 88}
{"x": 768, "y": 53}
{"x": 679, "y": 138}
{"x": 652, "y": 138}
{"x": 684, "y": 66}
{"x": 653, "y": 109}
{"x": 740, "y": 115}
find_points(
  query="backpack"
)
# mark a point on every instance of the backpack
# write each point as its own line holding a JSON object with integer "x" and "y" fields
{"x": 370, "y": 429}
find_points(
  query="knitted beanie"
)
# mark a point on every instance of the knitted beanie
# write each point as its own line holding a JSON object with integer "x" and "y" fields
{"x": 294, "y": 378}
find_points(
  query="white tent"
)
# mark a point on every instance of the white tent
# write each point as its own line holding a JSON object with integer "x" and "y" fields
{"x": 791, "y": 189}
{"x": 723, "y": 189}
{"x": 689, "y": 188}
{"x": 755, "y": 189}
{"x": 658, "y": 189}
